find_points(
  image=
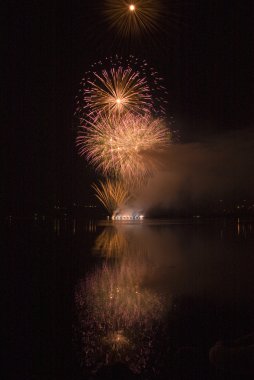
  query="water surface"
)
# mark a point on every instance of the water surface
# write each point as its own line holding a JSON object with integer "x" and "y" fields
{"x": 84, "y": 294}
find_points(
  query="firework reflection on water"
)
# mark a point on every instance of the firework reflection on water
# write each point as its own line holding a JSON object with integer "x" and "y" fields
{"x": 111, "y": 243}
{"x": 119, "y": 314}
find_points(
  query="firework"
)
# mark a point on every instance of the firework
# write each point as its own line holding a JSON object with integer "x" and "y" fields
{"x": 133, "y": 17}
{"x": 124, "y": 147}
{"x": 116, "y": 85}
{"x": 112, "y": 194}
{"x": 118, "y": 90}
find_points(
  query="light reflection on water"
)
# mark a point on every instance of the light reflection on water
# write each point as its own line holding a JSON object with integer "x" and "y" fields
{"x": 143, "y": 290}
{"x": 125, "y": 302}
{"x": 242, "y": 227}
{"x": 145, "y": 267}
{"x": 119, "y": 311}
{"x": 61, "y": 225}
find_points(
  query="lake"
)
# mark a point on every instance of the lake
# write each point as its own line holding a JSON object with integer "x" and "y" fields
{"x": 84, "y": 295}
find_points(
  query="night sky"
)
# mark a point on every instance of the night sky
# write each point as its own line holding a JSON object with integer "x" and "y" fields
{"x": 204, "y": 51}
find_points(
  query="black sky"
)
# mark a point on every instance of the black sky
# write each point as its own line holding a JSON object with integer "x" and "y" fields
{"x": 204, "y": 51}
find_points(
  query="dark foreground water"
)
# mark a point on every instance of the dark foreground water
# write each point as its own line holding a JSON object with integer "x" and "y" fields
{"x": 82, "y": 296}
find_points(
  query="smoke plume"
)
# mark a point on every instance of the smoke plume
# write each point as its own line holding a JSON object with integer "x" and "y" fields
{"x": 220, "y": 167}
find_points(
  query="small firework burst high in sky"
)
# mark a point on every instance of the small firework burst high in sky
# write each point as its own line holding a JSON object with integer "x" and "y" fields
{"x": 129, "y": 17}
{"x": 124, "y": 146}
{"x": 117, "y": 85}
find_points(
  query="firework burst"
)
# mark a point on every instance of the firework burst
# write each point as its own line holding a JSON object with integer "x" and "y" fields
{"x": 116, "y": 85}
{"x": 124, "y": 146}
{"x": 133, "y": 17}
{"x": 112, "y": 194}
